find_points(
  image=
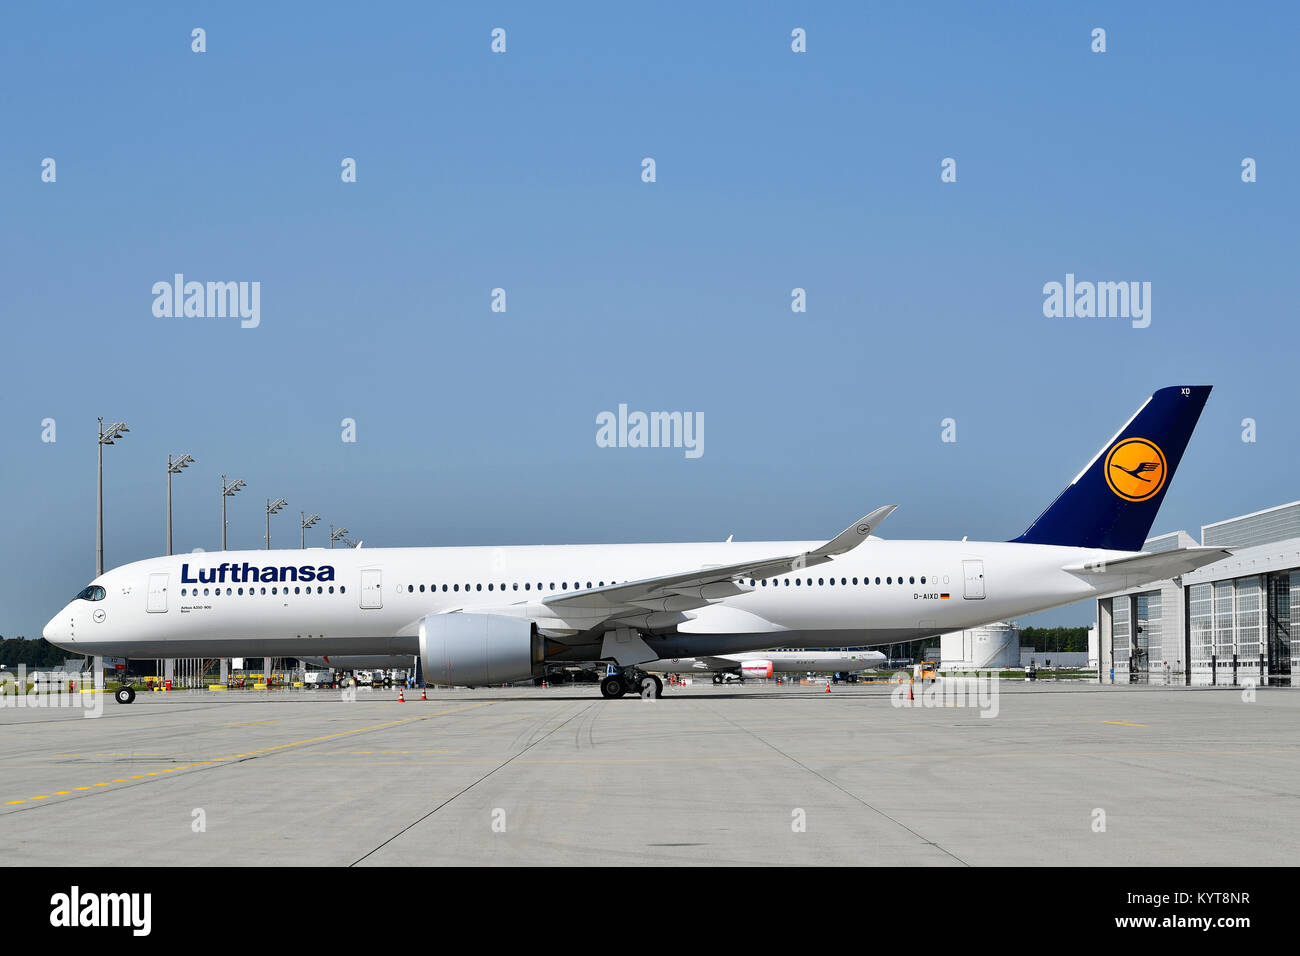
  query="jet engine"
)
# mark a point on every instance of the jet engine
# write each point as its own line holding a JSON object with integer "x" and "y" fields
{"x": 477, "y": 649}
{"x": 755, "y": 668}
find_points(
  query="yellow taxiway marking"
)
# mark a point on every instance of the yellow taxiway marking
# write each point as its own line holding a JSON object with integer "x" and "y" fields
{"x": 1123, "y": 723}
{"x": 265, "y": 750}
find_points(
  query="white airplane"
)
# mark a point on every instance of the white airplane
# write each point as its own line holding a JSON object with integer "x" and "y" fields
{"x": 767, "y": 663}
{"x": 479, "y": 616}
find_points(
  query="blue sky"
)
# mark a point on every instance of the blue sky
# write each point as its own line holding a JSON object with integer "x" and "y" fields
{"x": 522, "y": 170}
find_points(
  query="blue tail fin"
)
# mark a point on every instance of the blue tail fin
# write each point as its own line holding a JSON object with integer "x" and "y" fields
{"x": 1113, "y": 502}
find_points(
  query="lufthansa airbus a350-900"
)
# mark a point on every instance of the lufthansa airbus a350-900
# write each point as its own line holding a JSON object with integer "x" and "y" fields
{"x": 478, "y": 616}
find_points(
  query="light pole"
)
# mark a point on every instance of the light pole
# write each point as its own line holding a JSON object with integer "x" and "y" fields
{"x": 174, "y": 467}
{"x": 336, "y": 535}
{"x": 106, "y": 437}
{"x": 272, "y": 507}
{"x": 227, "y": 490}
{"x": 307, "y": 522}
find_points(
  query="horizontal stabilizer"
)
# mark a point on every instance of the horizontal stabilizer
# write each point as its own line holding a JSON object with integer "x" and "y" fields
{"x": 1144, "y": 568}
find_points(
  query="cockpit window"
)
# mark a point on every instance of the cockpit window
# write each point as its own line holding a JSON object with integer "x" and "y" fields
{"x": 92, "y": 592}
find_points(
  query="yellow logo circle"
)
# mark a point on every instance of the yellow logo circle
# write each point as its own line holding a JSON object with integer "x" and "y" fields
{"x": 1135, "y": 469}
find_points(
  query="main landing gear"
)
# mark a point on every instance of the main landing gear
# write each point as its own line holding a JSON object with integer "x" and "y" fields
{"x": 631, "y": 680}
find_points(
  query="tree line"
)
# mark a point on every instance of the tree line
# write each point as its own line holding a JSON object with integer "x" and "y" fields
{"x": 37, "y": 653}
{"x": 1055, "y": 638}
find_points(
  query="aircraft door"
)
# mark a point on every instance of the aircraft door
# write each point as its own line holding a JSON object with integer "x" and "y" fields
{"x": 157, "y": 593}
{"x": 372, "y": 595}
{"x": 974, "y": 572}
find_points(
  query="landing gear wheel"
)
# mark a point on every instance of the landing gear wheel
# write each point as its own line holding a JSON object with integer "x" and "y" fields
{"x": 717, "y": 678}
{"x": 611, "y": 688}
{"x": 124, "y": 695}
{"x": 659, "y": 687}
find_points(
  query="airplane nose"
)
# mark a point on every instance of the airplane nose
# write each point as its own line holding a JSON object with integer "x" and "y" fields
{"x": 58, "y": 631}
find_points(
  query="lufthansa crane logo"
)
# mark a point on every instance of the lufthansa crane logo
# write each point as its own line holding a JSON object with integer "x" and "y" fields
{"x": 1135, "y": 469}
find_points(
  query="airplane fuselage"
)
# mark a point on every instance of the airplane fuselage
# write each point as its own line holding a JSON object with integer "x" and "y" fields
{"x": 319, "y": 601}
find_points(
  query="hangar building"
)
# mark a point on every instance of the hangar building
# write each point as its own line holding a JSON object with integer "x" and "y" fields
{"x": 1226, "y": 623}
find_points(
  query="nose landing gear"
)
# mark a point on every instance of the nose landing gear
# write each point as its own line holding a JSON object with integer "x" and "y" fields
{"x": 124, "y": 694}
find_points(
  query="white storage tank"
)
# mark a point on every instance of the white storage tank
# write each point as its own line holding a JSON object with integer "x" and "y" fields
{"x": 989, "y": 647}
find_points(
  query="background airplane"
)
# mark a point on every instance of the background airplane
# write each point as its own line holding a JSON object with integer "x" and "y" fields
{"x": 768, "y": 663}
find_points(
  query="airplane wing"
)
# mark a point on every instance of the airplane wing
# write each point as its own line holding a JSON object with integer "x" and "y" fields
{"x": 691, "y": 589}
{"x": 1144, "y": 568}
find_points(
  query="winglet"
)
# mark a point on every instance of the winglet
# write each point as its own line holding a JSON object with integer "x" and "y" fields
{"x": 854, "y": 534}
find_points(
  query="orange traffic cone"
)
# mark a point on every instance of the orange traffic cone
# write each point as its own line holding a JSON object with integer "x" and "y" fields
{"x": 910, "y": 695}
{"x": 401, "y": 696}
{"x": 828, "y": 687}
{"x": 424, "y": 694}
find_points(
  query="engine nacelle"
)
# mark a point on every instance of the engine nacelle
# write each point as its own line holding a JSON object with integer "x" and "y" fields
{"x": 755, "y": 668}
{"x": 478, "y": 649}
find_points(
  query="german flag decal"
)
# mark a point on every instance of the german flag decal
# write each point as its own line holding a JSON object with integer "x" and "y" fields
{"x": 943, "y": 595}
